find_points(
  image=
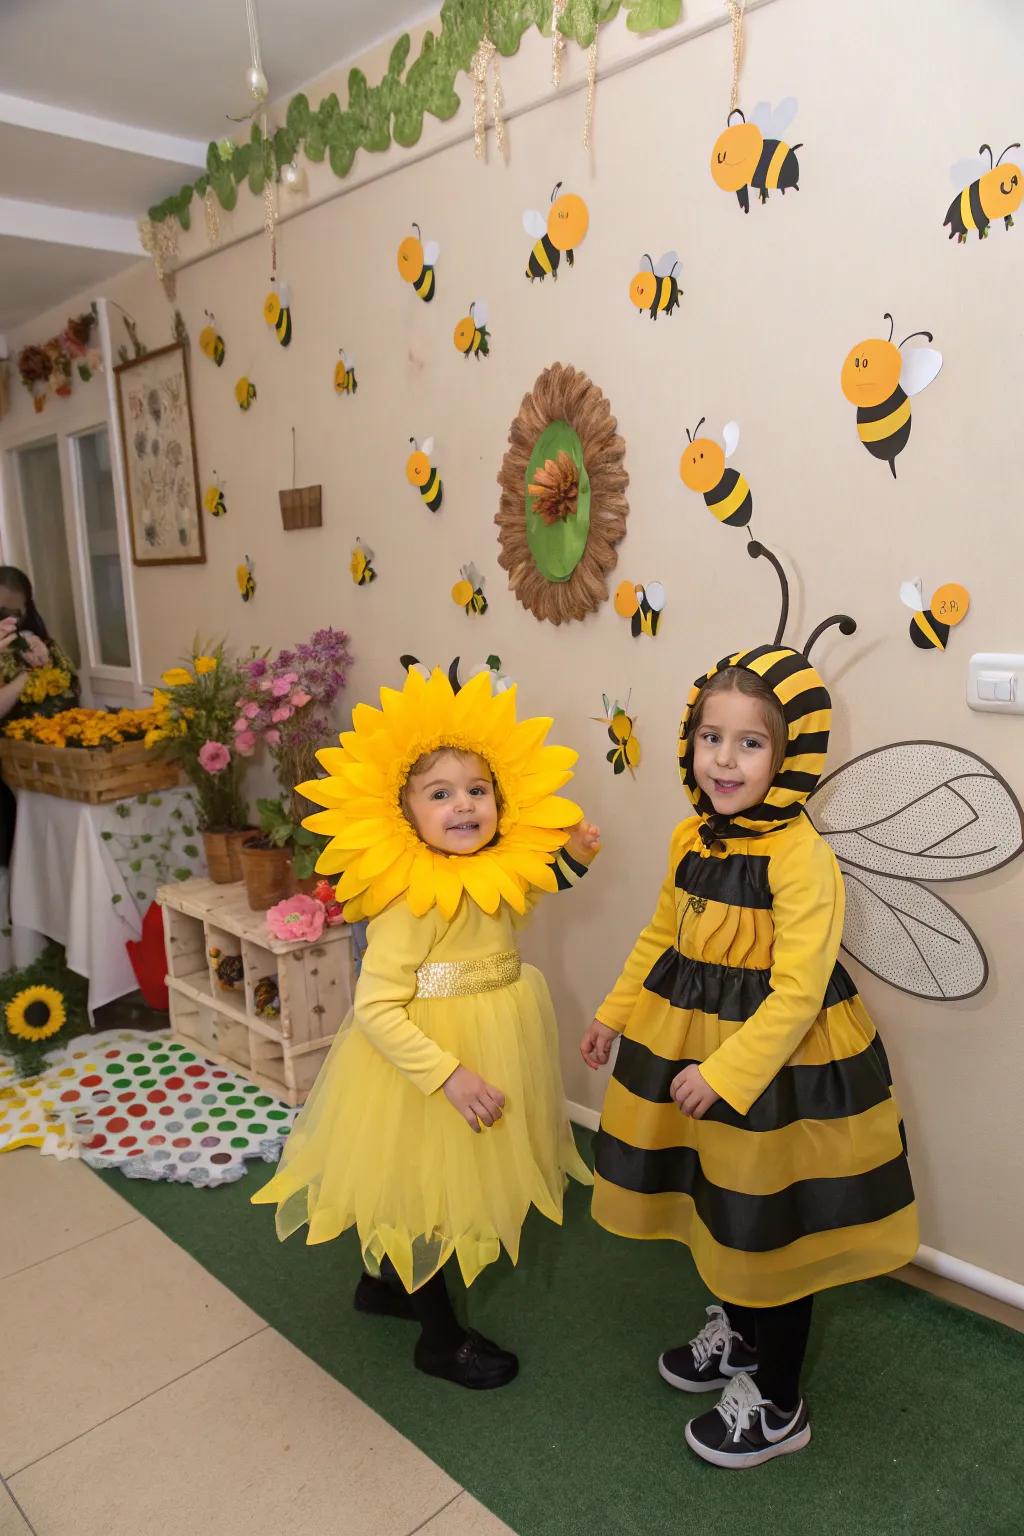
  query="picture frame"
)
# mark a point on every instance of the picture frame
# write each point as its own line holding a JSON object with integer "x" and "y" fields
{"x": 160, "y": 467}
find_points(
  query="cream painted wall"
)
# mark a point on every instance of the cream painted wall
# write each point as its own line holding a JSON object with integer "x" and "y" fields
{"x": 890, "y": 96}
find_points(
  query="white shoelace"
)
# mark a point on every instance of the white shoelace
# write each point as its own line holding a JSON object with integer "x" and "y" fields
{"x": 740, "y": 1403}
{"x": 712, "y": 1338}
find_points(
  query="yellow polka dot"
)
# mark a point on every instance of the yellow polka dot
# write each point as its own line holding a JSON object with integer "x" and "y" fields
{"x": 67, "y": 1072}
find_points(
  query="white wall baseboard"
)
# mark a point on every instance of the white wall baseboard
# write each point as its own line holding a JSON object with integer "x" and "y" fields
{"x": 944, "y": 1264}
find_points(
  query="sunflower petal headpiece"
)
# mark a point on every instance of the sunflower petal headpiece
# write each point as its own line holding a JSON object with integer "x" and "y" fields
{"x": 375, "y": 849}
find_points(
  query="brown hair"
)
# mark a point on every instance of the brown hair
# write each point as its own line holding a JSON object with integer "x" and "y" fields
{"x": 742, "y": 680}
{"x": 424, "y": 763}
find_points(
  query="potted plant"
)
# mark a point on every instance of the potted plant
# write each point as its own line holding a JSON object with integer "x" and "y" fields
{"x": 201, "y": 699}
{"x": 284, "y": 706}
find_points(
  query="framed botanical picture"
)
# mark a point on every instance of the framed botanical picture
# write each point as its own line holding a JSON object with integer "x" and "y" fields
{"x": 164, "y": 507}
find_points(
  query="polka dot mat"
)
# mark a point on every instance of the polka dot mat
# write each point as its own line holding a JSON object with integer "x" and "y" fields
{"x": 145, "y": 1104}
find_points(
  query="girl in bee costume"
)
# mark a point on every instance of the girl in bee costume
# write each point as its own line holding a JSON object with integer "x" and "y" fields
{"x": 750, "y": 1114}
{"x": 446, "y": 826}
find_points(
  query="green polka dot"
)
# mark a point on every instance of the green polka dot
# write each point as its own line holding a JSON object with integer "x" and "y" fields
{"x": 166, "y": 1071}
{"x": 277, "y": 1114}
{"x": 263, "y": 1100}
{"x": 239, "y": 1141}
{"x": 250, "y": 1088}
{"x": 227, "y": 1125}
{"x": 140, "y": 1071}
{"x": 246, "y": 1114}
{"x": 225, "y": 1087}
{"x": 175, "y": 1046}
{"x": 257, "y": 1130}
{"x": 282, "y": 1130}
{"x": 162, "y": 1056}
{"x": 135, "y": 1056}
{"x": 236, "y": 1098}
{"x": 148, "y": 1082}
{"x": 123, "y": 1082}
{"x": 187, "y": 1056}
{"x": 220, "y": 1110}
{"x": 114, "y": 1066}
{"x": 200, "y": 1125}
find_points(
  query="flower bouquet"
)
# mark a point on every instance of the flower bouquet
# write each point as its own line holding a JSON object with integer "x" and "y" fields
{"x": 48, "y": 690}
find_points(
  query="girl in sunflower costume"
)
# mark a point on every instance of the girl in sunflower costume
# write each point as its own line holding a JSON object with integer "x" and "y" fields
{"x": 438, "y": 1117}
{"x": 750, "y": 1113}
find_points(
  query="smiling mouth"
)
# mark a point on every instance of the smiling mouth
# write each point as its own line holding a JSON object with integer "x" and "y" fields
{"x": 463, "y": 826}
{"x": 726, "y": 786}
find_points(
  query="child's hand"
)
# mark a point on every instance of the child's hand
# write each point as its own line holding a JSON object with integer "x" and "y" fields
{"x": 692, "y": 1093}
{"x": 475, "y": 1099}
{"x": 596, "y": 1045}
{"x": 584, "y": 842}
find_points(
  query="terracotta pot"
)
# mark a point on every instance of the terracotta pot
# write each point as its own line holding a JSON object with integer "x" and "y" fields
{"x": 267, "y": 873}
{"x": 308, "y": 886}
{"x": 224, "y": 855}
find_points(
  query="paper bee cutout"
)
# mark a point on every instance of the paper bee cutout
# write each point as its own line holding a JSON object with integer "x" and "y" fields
{"x": 878, "y": 378}
{"x": 361, "y": 564}
{"x": 930, "y": 626}
{"x": 990, "y": 196}
{"x": 566, "y": 225}
{"x": 416, "y": 263}
{"x": 468, "y": 591}
{"x": 211, "y": 342}
{"x": 246, "y": 578}
{"x": 421, "y": 473}
{"x": 703, "y": 468}
{"x": 499, "y": 682}
{"x": 643, "y": 606}
{"x": 345, "y": 374}
{"x": 657, "y": 289}
{"x": 245, "y": 393}
{"x": 753, "y": 155}
{"x": 277, "y": 311}
{"x": 213, "y": 497}
{"x": 472, "y": 338}
{"x": 625, "y": 751}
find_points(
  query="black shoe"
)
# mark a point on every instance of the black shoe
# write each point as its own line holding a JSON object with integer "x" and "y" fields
{"x": 710, "y": 1360}
{"x": 743, "y": 1430}
{"x": 381, "y": 1299}
{"x": 475, "y": 1363}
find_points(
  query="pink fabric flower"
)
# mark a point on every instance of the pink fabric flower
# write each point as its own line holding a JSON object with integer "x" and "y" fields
{"x": 214, "y": 757}
{"x": 245, "y": 743}
{"x": 282, "y": 712}
{"x": 272, "y": 738}
{"x": 250, "y": 710}
{"x": 300, "y": 697}
{"x": 296, "y": 920}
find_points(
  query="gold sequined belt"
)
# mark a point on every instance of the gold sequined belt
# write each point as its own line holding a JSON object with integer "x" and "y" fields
{"x": 464, "y": 978}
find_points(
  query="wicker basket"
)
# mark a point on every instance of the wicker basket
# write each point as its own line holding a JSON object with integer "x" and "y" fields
{"x": 93, "y": 775}
{"x": 301, "y": 508}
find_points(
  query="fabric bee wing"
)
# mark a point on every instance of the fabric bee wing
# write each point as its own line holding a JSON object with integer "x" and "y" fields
{"x": 907, "y": 936}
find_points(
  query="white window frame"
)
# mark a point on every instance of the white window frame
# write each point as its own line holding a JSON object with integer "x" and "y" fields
{"x": 99, "y": 669}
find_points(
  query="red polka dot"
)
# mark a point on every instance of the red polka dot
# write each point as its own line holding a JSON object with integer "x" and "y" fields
{"x": 180, "y": 1141}
{"x": 120, "y": 1124}
{"x": 136, "y": 1152}
{"x": 107, "y": 1151}
{"x": 218, "y": 1074}
{"x": 157, "y": 1141}
{"x": 113, "y": 1055}
{"x": 136, "y": 1110}
{"x": 127, "y": 1141}
{"x": 108, "y": 1109}
{"x": 175, "y": 1082}
{"x": 92, "y": 1081}
{"x": 125, "y": 1098}
{"x": 195, "y": 1071}
{"x": 97, "y": 1141}
{"x": 203, "y": 1084}
{"x": 185, "y": 1098}
{"x": 167, "y": 1109}
{"x": 147, "y": 1125}
{"x": 157, "y": 1096}
{"x": 69, "y": 1097}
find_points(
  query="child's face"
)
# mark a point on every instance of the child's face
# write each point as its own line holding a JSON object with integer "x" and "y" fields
{"x": 732, "y": 753}
{"x": 452, "y": 805}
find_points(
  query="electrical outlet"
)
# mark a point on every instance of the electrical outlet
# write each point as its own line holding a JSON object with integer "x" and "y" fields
{"x": 996, "y": 683}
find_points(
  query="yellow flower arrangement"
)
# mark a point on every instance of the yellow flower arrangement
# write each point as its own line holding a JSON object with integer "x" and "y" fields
{"x": 43, "y": 683}
{"x": 94, "y": 727}
{"x": 204, "y": 665}
{"x": 176, "y": 677}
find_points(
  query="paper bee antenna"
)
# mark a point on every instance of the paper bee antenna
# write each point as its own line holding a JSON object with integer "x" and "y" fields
{"x": 691, "y": 435}
{"x": 758, "y": 551}
{"x": 846, "y": 626}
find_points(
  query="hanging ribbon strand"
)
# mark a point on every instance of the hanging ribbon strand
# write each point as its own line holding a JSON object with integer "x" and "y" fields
{"x": 736, "y": 9}
{"x": 557, "y": 42}
{"x": 588, "y": 112}
{"x": 485, "y": 56}
{"x": 211, "y": 214}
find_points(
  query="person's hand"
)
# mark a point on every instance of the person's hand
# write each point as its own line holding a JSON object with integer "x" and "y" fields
{"x": 475, "y": 1099}
{"x": 596, "y": 1045}
{"x": 584, "y": 842}
{"x": 36, "y": 653}
{"x": 692, "y": 1093}
{"x": 8, "y": 633}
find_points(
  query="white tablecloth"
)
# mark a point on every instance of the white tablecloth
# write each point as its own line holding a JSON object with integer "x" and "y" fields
{"x": 85, "y": 874}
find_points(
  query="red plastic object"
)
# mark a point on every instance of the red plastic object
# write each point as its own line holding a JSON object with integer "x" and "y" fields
{"x": 149, "y": 959}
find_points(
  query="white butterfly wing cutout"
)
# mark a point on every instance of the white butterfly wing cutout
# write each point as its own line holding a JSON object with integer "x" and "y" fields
{"x": 920, "y": 366}
{"x": 535, "y": 223}
{"x": 431, "y": 251}
{"x": 912, "y": 595}
{"x": 773, "y": 121}
{"x": 918, "y": 810}
{"x": 730, "y": 437}
{"x": 480, "y": 312}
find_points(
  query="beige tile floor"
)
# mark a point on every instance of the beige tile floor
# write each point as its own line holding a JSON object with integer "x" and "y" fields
{"x": 141, "y": 1398}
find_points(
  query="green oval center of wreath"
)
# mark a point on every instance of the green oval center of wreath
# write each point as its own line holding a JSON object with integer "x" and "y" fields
{"x": 558, "y": 547}
{"x": 37, "y": 1015}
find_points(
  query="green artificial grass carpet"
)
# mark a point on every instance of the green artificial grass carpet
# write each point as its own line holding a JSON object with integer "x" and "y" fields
{"x": 915, "y": 1405}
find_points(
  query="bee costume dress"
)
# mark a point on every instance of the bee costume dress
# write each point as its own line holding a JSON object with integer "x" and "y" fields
{"x": 378, "y": 1146}
{"x": 797, "y": 1178}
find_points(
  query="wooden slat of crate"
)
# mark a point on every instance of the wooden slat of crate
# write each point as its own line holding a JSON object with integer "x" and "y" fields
{"x": 90, "y": 775}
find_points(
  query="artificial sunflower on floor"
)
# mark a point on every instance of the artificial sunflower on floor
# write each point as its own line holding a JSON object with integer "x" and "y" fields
{"x": 374, "y": 847}
{"x": 36, "y": 1013}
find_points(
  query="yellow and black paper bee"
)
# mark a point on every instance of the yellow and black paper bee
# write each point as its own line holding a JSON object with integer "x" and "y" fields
{"x": 878, "y": 378}
{"x": 703, "y": 468}
{"x": 930, "y": 626}
{"x": 988, "y": 195}
{"x": 245, "y": 392}
{"x": 468, "y": 591}
{"x": 658, "y": 290}
{"x": 361, "y": 564}
{"x": 472, "y": 338}
{"x": 753, "y": 154}
{"x": 642, "y": 606}
{"x": 246, "y": 578}
{"x": 211, "y": 342}
{"x": 213, "y": 498}
{"x": 277, "y": 311}
{"x": 625, "y": 751}
{"x": 421, "y": 473}
{"x": 416, "y": 263}
{"x": 345, "y": 382}
{"x": 559, "y": 234}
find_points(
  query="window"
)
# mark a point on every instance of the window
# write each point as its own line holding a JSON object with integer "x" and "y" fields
{"x": 102, "y": 575}
{"x": 42, "y": 507}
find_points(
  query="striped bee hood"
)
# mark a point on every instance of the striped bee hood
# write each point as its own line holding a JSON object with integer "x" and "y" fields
{"x": 808, "y": 710}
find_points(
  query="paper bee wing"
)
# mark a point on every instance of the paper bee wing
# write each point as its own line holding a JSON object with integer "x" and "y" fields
{"x": 730, "y": 437}
{"x": 912, "y": 595}
{"x": 663, "y": 266}
{"x": 773, "y": 121}
{"x": 920, "y": 366}
{"x": 431, "y": 251}
{"x": 535, "y": 223}
{"x": 965, "y": 171}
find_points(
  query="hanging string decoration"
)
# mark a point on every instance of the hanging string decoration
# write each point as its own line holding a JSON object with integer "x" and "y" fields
{"x": 486, "y": 55}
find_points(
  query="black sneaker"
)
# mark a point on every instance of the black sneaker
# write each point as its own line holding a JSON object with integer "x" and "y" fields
{"x": 381, "y": 1298}
{"x": 710, "y": 1360}
{"x": 743, "y": 1430}
{"x": 475, "y": 1363}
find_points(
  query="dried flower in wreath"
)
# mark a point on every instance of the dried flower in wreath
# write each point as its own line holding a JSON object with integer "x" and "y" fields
{"x": 559, "y": 547}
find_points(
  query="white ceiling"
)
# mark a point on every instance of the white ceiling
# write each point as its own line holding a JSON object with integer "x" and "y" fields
{"x": 137, "y": 69}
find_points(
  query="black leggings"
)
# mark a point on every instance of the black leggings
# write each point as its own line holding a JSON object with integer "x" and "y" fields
{"x": 779, "y": 1335}
{"x": 432, "y": 1306}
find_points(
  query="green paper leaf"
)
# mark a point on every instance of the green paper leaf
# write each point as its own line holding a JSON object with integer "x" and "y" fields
{"x": 315, "y": 143}
{"x": 558, "y": 549}
{"x": 652, "y": 15}
{"x": 297, "y": 116}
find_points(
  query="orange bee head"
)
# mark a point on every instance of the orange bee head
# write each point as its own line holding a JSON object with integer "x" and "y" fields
{"x": 703, "y": 462}
{"x": 736, "y": 153}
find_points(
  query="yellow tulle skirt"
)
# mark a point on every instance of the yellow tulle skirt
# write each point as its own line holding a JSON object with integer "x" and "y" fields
{"x": 369, "y": 1150}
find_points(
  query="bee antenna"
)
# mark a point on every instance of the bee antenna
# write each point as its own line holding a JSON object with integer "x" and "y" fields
{"x": 892, "y": 323}
{"x": 648, "y": 260}
{"x": 918, "y": 333}
{"x": 981, "y": 150}
{"x": 734, "y": 113}
{"x": 416, "y": 227}
{"x": 408, "y": 662}
{"x": 1006, "y": 151}
{"x": 555, "y": 189}
{"x": 698, "y": 426}
{"x": 453, "y": 676}
{"x": 472, "y": 307}
{"x": 413, "y": 441}
{"x": 757, "y": 551}
{"x": 842, "y": 621}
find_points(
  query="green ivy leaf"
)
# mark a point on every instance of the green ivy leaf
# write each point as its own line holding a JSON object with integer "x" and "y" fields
{"x": 298, "y": 115}
{"x": 315, "y": 142}
{"x": 225, "y": 190}
{"x": 106, "y": 836}
{"x": 652, "y": 15}
{"x": 284, "y": 147}
{"x": 136, "y": 866}
{"x": 190, "y": 851}
{"x": 115, "y": 900}
{"x": 182, "y": 874}
{"x": 189, "y": 831}
{"x": 121, "y": 810}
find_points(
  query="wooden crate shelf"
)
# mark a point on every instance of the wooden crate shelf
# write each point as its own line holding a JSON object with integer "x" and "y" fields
{"x": 281, "y": 1055}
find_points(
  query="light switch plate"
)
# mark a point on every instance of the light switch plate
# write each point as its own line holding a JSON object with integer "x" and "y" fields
{"x": 995, "y": 683}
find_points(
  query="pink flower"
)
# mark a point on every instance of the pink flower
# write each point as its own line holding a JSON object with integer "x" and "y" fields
{"x": 241, "y": 724}
{"x": 272, "y": 738}
{"x": 214, "y": 757}
{"x": 280, "y": 687}
{"x": 282, "y": 712}
{"x": 250, "y": 710}
{"x": 245, "y": 743}
{"x": 266, "y": 685}
{"x": 300, "y": 697}
{"x": 297, "y": 920}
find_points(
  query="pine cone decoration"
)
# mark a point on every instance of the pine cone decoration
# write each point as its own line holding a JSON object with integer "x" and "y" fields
{"x": 554, "y": 489}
